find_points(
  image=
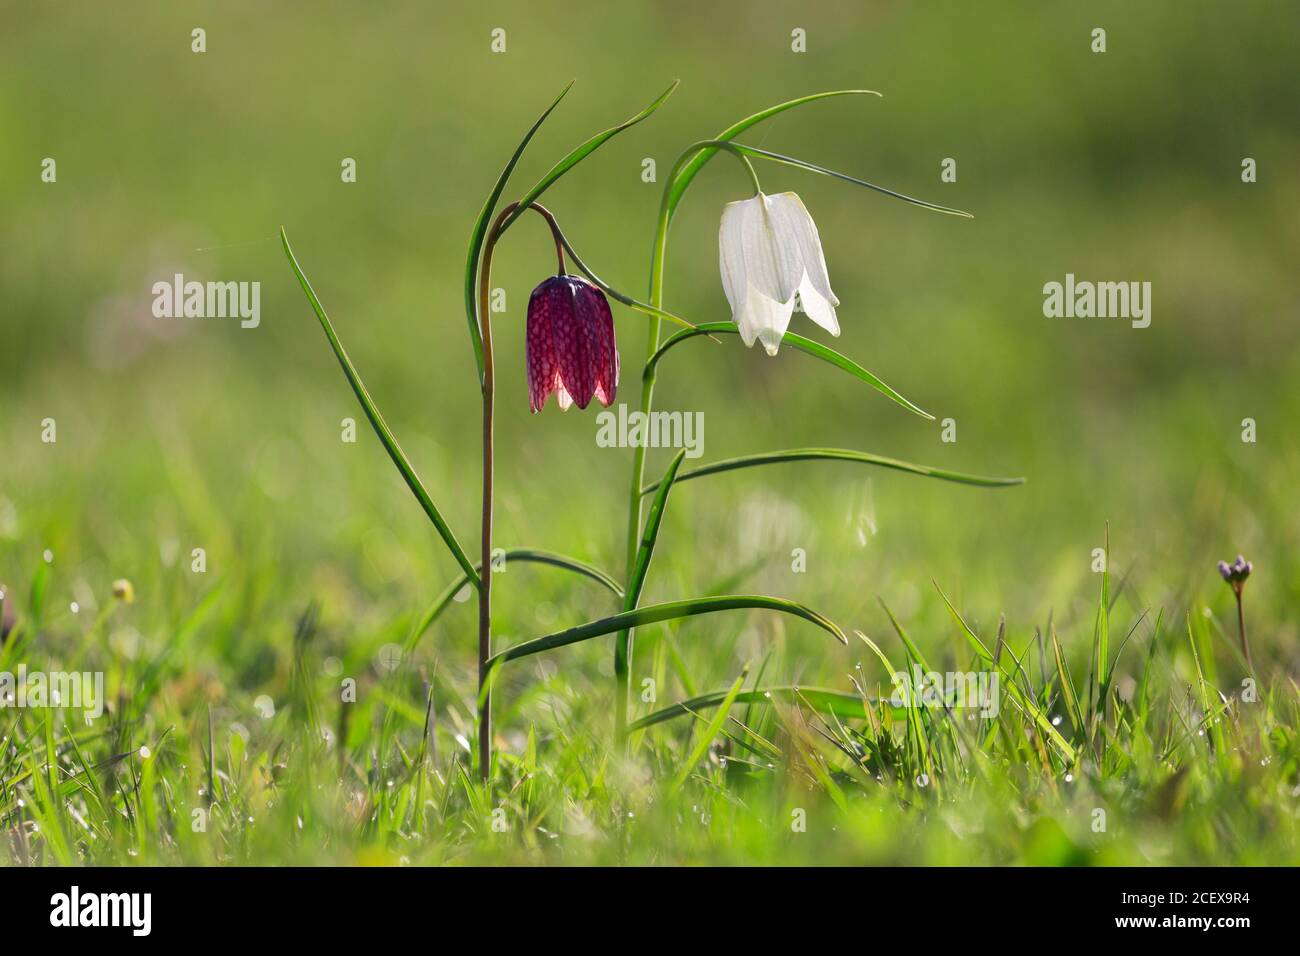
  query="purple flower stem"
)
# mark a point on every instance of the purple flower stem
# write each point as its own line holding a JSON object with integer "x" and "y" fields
{"x": 489, "y": 396}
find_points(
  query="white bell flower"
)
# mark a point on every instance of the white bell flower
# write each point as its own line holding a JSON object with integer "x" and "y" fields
{"x": 771, "y": 257}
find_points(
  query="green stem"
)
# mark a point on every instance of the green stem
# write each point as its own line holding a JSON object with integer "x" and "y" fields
{"x": 623, "y": 645}
{"x": 485, "y": 566}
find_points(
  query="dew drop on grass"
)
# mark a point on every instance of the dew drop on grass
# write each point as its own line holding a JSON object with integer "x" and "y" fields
{"x": 1056, "y": 721}
{"x": 48, "y": 556}
{"x": 923, "y": 780}
{"x": 145, "y": 752}
{"x": 74, "y": 607}
{"x": 1069, "y": 778}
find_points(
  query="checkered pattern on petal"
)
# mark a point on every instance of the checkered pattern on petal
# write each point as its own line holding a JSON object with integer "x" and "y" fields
{"x": 569, "y": 344}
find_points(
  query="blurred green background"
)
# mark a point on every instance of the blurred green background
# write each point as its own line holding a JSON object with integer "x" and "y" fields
{"x": 175, "y": 434}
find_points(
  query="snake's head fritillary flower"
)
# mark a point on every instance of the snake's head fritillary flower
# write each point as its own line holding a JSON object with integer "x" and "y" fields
{"x": 771, "y": 261}
{"x": 570, "y": 344}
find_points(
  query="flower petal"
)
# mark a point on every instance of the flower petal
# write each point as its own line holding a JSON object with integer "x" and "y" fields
{"x": 797, "y": 228}
{"x": 817, "y": 308}
{"x": 764, "y": 319}
{"x": 769, "y": 270}
{"x": 571, "y": 333}
{"x": 539, "y": 350}
{"x": 731, "y": 254}
{"x": 597, "y": 323}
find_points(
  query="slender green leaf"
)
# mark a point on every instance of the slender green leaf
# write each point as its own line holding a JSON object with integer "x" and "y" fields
{"x": 377, "y": 421}
{"x": 839, "y": 454}
{"x": 912, "y": 649}
{"x": 689, "y": 171}
{"x": 1025, "y": 702}
{"x": 1103, "y": 630}
{"x": 653, "y": 520}
{"x": 479, "y": 234}
{"x": 890, "y": 670}
{"x": 533, "y": 555}
{"x": 815, "y": 349}
{"x": 916, "y": 719}
{"x": 581, "y": 152}
{"x": 654, "y": 613}
{"x": 1067, "y": 686}
{"x": 644, "y": 554}
{"x": 814, "y": 168}
{"x": 710, "y": 732}
{"x": 830, "y": 701}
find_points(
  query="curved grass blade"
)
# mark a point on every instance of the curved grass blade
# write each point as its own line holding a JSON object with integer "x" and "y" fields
{"x": 581, "y": 152}
{"x": 1067, "y": 686}
{"x": 1023, "y": 700}
{"x": 829, "y": 701}
{"x": 880, "y": 655}
{"x": 654, "y": 613}
{"x": 636, "y": 581}
{"x": 689, "y": 171}
{"x": 710, "y": 733}
{"x": 796, "y": 341}
{"x": 813, "y": 167}
{"x": 533, "y": 555}
{"x": 840, "y": 454}
{"x": 480, "y": 233}
{"x": 653, "y": 520}
{"x": 377, "y": 422}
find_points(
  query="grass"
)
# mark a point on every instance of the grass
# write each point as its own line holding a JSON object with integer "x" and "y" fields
{"x": 320, "y": 569}
{"x": 1164, "y": 763}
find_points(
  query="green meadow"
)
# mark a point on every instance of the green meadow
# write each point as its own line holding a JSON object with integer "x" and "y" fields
{"x": 276, "y": 687}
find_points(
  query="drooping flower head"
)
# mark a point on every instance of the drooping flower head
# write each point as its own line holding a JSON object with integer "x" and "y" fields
{"x": 771, "y": 261}
{"x": 569, "y": 344}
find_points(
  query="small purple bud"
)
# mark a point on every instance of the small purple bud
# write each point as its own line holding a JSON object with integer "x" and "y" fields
{"x": 1237, "y": 572}
{"x": 7, "y": 619}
